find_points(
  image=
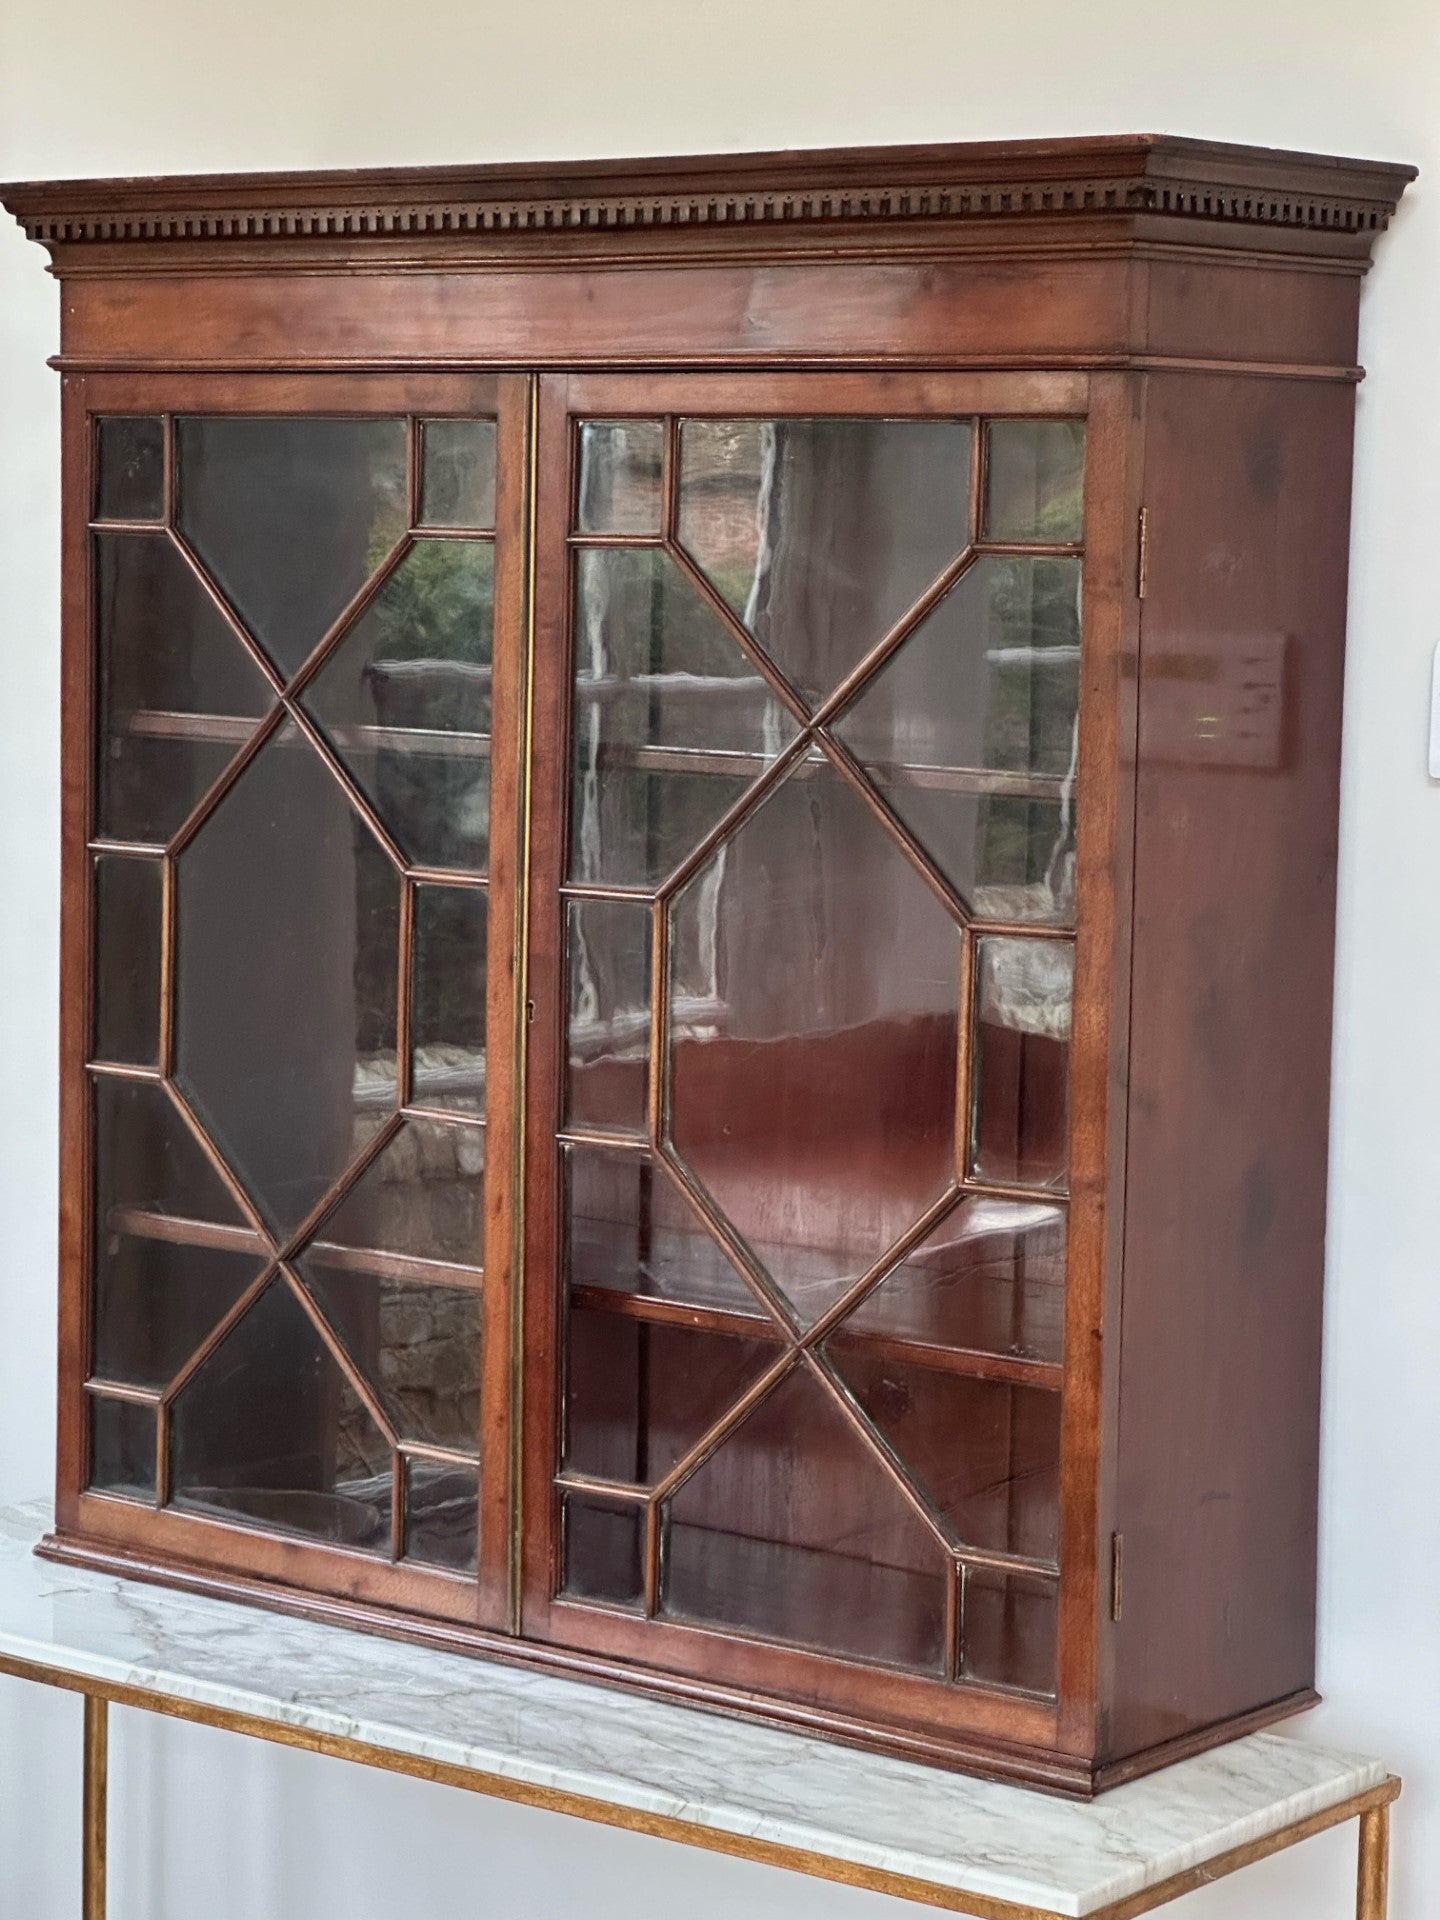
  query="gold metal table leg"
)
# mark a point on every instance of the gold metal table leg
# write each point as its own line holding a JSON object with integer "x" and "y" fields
{"x": 92, "y": 1882}
{"x": 1373, "y": 1887}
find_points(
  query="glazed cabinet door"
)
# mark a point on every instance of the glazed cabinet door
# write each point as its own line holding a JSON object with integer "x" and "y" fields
{"x": 803, "y": 911}
{"x": 290, "y": 819}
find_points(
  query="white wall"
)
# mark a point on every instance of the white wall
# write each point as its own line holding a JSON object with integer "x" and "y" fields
{"x": 208, "y": 1825}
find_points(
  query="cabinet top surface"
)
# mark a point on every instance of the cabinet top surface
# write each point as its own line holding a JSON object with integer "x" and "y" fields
{"x": 671, "y": 1768}
{"x": 1098, "y": 182}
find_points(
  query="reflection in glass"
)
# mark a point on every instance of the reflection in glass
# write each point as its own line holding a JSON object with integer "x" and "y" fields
{"x": 813, "y": 1036}
{"x": 448, "y": 1017}
{"x": 130, "y": 481}
{"x": 985, "y": 1454}
{"x": 457, "y": 483}
{"x": 157, "y": 1294}
{"x": 989, "y": 681}
{"x": 269, "y": 1431}
{"x": 122, "y": 1448}
{"x": 629, "y": 1229}
{"x": 793, "y": 1530}
{"x": 417, "y": 1347}
{"x": 127, "y": 961}
{"x": 291, "y": 516}
{"x": 638, "y": 1397}
{"x": 405, "y": 702}
{"x": 442, "y": 1515}
{"x": 1009, "y": 1630}
{"x": 604, "y": 1550}
{"x": 609, "y": 1032}
{"x": 1022, "y": 1061}
{"x": 1035, "y": 473}
{"x": 621, "y": 464}
{"x": 822, "y": 533}
{"x": 1009, "y": 859}
{"x": 989, "y": 678}
{"x": 395, "y": 1268}
{"x": 156, "y": 1300}
{"x": 147, "y": 1159}
{"x": 672, "y": 722}
{"x": 989, "y": 1278}
{"x": 177, "y": 693}
{"x": 287, "y": 931}
{"x": 420, "y": 1201}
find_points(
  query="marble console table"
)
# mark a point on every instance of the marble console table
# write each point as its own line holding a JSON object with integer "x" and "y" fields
{"x": 967, "y": 1846}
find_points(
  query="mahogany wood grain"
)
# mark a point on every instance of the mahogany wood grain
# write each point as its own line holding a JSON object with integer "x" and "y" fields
{"x": 1241, "y": 666}
{"x": 76, "y": 1149}
{"x": 506, "y": 1024}
{"x": 1099, "y": 1042}
{"x": 1042, "y": 315}
{"x": 1198, "y": 305}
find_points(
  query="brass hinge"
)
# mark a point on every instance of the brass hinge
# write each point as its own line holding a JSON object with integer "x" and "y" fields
{"x": 1142, "y": 563}
{"x": 1117, "y": 1574}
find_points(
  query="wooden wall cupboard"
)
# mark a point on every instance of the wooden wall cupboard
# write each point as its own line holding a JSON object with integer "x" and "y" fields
{"x": 700, "y": 807}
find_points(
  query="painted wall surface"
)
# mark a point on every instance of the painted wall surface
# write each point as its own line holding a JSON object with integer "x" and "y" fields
{"x": 208, "y": 1825}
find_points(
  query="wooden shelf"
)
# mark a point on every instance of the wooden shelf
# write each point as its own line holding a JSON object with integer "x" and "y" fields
{"x": 234, "y": 729}
{"x": 142, "y": 1223}
{"x": 973, "y": 1363}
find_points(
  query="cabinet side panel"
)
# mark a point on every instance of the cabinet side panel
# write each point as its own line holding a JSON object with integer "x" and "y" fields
{"x": 1247, "y": 495}
{"x": 75, "y": 985}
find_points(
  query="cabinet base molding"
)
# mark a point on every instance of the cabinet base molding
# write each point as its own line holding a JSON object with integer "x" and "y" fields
{"x": 1065, "y": 1775}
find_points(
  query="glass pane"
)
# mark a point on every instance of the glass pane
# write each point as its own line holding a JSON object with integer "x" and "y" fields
{"x": 287, "y": 937}
{"x": 404, "y": 700}
{"x": 122, "y": 1448}
{"x": 457, "y": 487}
{"x": 418, "y": 1347}
{"x": 178, "y": 694}
{"x": 1035, "y": 473}
{"x": 988, "y": 681}
{"x": 148, "y": 1160}
{"x": 990, "y": 1278}
{"x": 822, "y": 533}
{"x": 985, "y": 1454}
{"x": 127, "y": 961}
{"x": 604, "y": 1551}
{"x": 609, "y": 948}
{"x": 291, "y": 517}
{"x": 157, "y": 1299}
{"x": 672, "y": 722}
{"x": 172, "y": 1251}
{"x": 1008, "y": 859}
{"x": 1022, "y": 1061}
{"x": 621, "y": 465}
{"x": 813, "y": 1038}
{"x": 1009, "y": 1630}
{"x": 130, "y": 484}
{"x": 792, "y": 1530}
{"x": 442, "y": 1515}
{"x": 638, "y": 1397}
{"x": 420, "y": 1202}
{"x": 990, "y": 678}
{"x": 448, "y": 1015}
{"x": 629, "y": 1229}
{"x": 395, "y": 1270}
{"x": 268, "y": 1430}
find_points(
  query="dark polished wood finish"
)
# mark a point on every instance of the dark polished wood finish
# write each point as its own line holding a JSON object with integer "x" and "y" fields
{"x": 1195, "y": 305}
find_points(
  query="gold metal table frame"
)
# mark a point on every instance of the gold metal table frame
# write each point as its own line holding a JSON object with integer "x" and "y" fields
{"x": 1371, "y": 1809}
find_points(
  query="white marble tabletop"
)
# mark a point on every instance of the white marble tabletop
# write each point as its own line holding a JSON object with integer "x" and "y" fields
{"x": 623, "y": 1751}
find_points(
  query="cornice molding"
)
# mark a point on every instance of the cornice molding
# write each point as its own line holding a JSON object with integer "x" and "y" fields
{"x": 955, "y": 187}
